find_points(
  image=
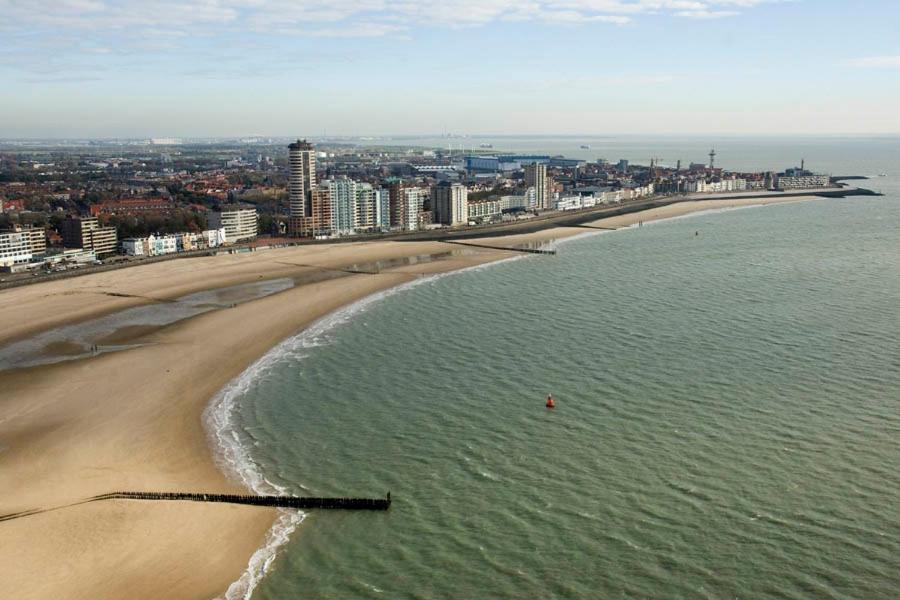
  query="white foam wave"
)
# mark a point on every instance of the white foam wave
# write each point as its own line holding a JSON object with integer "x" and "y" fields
{"x": 230, "y": 450}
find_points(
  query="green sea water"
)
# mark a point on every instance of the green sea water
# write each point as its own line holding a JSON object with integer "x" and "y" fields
{"x": 727, "y": 421}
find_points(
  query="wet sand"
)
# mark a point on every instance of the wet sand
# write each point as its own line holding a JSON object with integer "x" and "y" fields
{"x": 132, "y": 420}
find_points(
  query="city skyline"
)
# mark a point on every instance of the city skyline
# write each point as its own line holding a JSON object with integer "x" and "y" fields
{"x": 213, "y": 68}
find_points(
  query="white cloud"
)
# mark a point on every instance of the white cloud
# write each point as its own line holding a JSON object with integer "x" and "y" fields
{"x": 874, "y": 62}
{"x": 706, "y": 14}
{"x": 343, "y": 16}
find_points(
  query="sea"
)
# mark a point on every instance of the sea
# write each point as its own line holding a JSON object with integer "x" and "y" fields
{"x": 727, "y": 420}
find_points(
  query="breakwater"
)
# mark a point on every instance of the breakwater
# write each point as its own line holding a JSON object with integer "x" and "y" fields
{"x": 298, "y": 502}
{"x": 524, "y": 249}
{"x": 346, "y": 503}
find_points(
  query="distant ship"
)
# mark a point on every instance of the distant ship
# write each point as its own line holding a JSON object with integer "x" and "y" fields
{"x": 585, "y": 147}
{"x": 485, "y": 145}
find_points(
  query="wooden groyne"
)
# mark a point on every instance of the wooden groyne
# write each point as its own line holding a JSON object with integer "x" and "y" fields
{"x": 507, "y": 248}
{"x": 582, "y": 226}
{"x": 275, "y": 501}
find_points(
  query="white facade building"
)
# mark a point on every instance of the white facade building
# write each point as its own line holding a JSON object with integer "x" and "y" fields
{"x": 799, "y": 182}
{"x": 413, "y": 199}
{"x": 15, "y": 249}
{"x": 239, "y": 222}
{"x": 484, "y": 210}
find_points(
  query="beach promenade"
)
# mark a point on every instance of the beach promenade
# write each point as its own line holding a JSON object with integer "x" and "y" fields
{"x": 133, "y": 419}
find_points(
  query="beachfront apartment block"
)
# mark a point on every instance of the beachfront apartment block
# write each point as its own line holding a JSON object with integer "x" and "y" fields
{"x": 239, "y": 222}
{"x": 799, "y": 182}
{"x": 723, "y": 185}
{"x": 36, "y": 236}
{"x": 483, "y": 210}
{"x": 15, "y": 249}
{"x": 86, "y": 233}
{"x": 372, "y": 208}
{"x": 302, "y": 178}
{"x": 412, "y": 202}
{"x": 450, "y": 204}
{"x": 536, "y": 177}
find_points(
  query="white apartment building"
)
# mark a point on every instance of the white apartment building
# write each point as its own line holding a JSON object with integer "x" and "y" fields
{"x": 239, "y": 222}
{"x": 799, "y": 182}
{"x": 569, "y": 203}
{"x": 383, "y": 209}
{"x": 724, "y": 185}
{"x": 15, "y": 249}
{"x": 510, "y": 202}
{"x": 484, "y": 210}
{"x": 413, "y": 200}
{"x": 344, "y": 203}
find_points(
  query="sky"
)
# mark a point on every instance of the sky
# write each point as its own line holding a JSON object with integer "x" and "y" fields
{"x": 208, "y": 68}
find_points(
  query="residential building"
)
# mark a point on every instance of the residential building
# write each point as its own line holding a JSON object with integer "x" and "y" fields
{"x": 132, "y": 206}
{"x": 135, "y": 247}
{"x": 239, "y": 222}
{"x": 412, "y": 203}
{"x": 302, "y": 181}
{"x": 343, "y": 195}
{"x": 15, "y": 249}
{"x": 536, "y": 177}
{"x": 383, "y": 204}
{"x": 183, "y": 242}
{"x": 395, "y": 202}
{"x": 797, "y": 182}
{"x": 320, "y": 221}
{"x": 86, "y": 233}
{"x": 37, "y": 237}
{"x": 449, "y": 204}
{"x": 512, "y": 202}
{"x": 484, "y": 210}
{"x": 372, "y": 208}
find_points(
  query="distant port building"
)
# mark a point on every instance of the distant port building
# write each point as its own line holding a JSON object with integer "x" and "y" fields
{"x": 504, "y": 162}
{"x": 239, "y": 222}
{"x": 87, "y": 234}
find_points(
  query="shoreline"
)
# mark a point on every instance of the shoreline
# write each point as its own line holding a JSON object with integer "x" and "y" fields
{"x": 548, "y": 220}
{"x": 60, "y": 442}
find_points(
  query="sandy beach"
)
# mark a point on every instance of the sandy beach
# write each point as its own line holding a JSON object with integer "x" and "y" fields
{"x": 132, "y": 420}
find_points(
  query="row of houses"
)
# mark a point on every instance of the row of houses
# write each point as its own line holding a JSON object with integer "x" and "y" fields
{"x": 596, "y": 198}
{"x": 493, "y": 208}
{"x": 159, "y": 245}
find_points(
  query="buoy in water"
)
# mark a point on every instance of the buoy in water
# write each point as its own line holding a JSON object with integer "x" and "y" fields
{"x": 550, "y": 402}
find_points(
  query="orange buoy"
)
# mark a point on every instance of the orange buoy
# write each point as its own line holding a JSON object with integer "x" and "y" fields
{"x": 550, "y": 402}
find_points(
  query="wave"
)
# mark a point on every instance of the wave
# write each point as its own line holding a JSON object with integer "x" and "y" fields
{"x": 232, "y": 455}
